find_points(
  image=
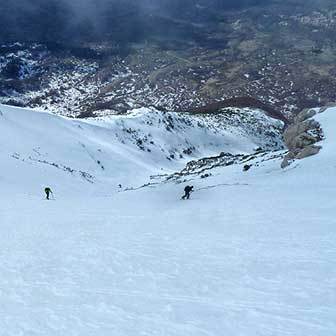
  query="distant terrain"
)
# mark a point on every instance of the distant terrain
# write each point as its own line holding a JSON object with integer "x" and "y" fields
{"x": 282, "y": 54}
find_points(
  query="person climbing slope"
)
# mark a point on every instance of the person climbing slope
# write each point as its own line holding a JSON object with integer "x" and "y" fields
{"x": 48, "y": 191}
{"x": 187, "y": 190}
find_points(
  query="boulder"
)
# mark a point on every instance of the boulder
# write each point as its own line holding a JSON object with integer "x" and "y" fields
{"x": 304, "y": 115}
{"x": 303, "y": 140}
{"x": 298, "y": 131}
{"x": 301, "y": 136}
{"x": 285, "y": 162}
{"x": 308, "y": 151}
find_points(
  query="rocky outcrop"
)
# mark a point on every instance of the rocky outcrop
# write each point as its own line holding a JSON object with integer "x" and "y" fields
{"x": 302, "y": 136}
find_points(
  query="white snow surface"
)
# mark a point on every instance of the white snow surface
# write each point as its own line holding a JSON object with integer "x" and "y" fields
{"x": 251, "y": 253}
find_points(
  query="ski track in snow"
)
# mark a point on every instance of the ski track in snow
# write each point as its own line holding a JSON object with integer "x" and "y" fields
{"x": 249, "y": 254}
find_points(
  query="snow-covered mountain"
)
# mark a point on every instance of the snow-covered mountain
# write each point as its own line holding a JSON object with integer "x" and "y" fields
{"x": 122, "y": 150}
{"x": 252, "y": 252}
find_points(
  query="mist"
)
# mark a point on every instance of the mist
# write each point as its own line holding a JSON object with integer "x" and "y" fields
{"x": 120, "y": 21}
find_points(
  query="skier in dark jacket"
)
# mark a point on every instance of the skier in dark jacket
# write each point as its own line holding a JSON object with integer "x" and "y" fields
{"x": 48, "y": 191}
{"x": 187, "y": 191}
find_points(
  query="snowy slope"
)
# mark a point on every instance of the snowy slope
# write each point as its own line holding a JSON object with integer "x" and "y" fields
{"x": 252, "y": 253}
{"x": 39, "y": 148}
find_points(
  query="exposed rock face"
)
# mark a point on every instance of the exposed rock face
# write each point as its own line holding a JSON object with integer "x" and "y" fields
{"x": 301, "y": 137}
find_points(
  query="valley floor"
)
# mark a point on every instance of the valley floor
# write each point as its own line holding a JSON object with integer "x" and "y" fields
{"x": 252, "y": 253}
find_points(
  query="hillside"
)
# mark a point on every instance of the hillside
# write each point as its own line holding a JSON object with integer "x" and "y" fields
{"x": 252, "y": 252}
{"x": 106, "y": 152}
